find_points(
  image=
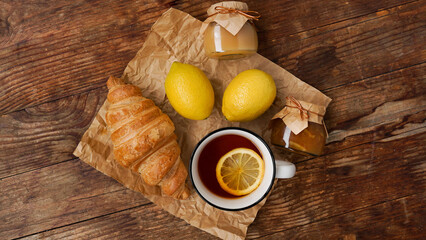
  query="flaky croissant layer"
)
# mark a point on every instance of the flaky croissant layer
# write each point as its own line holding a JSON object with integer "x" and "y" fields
{"x": 144, "y": 140}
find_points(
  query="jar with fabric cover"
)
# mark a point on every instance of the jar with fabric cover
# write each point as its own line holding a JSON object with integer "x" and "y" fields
{"x": 299, "y": 127}
{"x": 229, "y": 31}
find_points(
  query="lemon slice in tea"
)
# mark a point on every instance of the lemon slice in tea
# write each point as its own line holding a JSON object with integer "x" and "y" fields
{"x": 240, "y": 171}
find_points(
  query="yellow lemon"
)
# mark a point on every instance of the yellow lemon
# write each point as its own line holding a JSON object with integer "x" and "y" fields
{"x": 189, "y": 91}
{"x": 240, "y": 171}
{"x": 248, "y": 96}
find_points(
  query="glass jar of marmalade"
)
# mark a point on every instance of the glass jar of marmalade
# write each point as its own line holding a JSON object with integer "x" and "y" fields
{"x": 221, "y": 44}
{"x": 299, "y": 127}
{"x": 310, "y": 140}
{"x": 230, "y": 33}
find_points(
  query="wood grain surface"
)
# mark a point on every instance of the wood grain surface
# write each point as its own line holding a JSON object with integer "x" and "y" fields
{"x": 369, "y": 56}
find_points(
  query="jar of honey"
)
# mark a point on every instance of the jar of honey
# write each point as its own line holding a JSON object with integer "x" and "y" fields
{"x": 299, "y": 127}
{"x": 229, "y": 32}
{"x": 310, "y": 140}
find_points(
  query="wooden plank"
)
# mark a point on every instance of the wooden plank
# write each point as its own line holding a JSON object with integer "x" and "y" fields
{"x": 380, "y": 107}
{"x": 351, "y": 102}
{"x": 46, "y": 134}
{"x": 388, "y": 122}
{"x": 396, "y": 219}
{"x": 80, "y": 44}
{"x": 323, "y": 188}
{"x": 53, "y": 50}
{"x": 354, "y": 49}
{"x": 293, "y": 16}
{"x": 344, "y": 181}
{"x": 146, "y": 222}
{"x": 401, "y": 218}
{"x": 59, "y": 195}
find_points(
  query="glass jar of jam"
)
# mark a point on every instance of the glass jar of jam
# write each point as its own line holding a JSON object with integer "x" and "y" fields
{"x": 310, "y": 140}
{"x": 299, "y": 127}
{"x": 230, "y": 33}
{"x": 219, "y": 43}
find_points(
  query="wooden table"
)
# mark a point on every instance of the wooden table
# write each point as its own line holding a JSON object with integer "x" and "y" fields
{"x": 369, "y": 56}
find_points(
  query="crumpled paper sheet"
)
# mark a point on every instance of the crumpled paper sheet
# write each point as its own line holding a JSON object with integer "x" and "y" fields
{"x": 175, "y": 37}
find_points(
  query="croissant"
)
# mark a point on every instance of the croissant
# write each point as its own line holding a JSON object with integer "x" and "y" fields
{"x": 144, "y": 140}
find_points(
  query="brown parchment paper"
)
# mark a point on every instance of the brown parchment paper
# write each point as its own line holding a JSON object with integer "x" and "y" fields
{"x": 175, "y": 37}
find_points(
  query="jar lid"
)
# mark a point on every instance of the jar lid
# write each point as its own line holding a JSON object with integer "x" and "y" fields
{"x": 296, "y": 114}
{"x": 228, "y": 4}
{"x": 230, "y": 20}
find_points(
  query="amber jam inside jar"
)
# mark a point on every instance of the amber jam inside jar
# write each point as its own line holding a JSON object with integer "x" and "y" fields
{"x": 309, "y": 141}
{"x": 219, "y": 43}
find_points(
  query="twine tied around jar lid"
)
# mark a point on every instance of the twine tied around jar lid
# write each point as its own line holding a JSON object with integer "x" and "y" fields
{"x": 253, "y": 15}
{"x": 304, "y": 113}
{"x": 231, "y": 15}
{"x": 296, "y": 114}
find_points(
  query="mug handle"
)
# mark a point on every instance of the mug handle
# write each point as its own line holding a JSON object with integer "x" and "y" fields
{"x": 284, "y": 169}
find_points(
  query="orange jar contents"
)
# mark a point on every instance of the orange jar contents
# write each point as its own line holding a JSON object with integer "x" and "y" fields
{"x": 219, "y": 43}
{"x": 310, "y": 140}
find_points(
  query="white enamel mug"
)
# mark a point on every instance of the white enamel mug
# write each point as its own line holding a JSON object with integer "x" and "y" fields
{"x": 273, "y": 169}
